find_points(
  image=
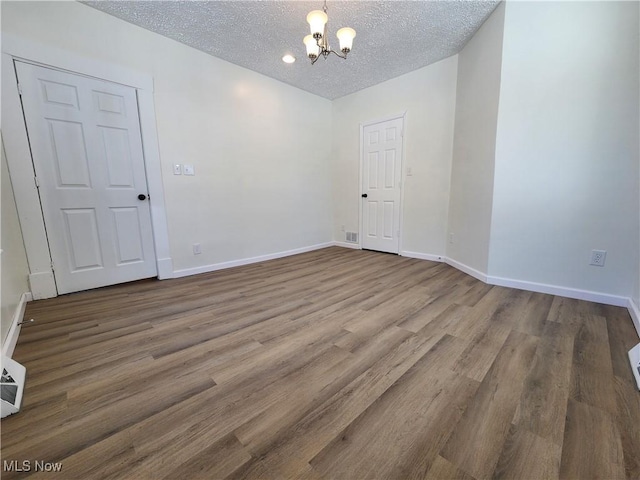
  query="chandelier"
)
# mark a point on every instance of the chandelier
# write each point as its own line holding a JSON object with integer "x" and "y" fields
{"x": 318, "y": 44}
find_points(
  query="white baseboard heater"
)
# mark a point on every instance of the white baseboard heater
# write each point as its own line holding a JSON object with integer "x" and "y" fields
{"x": 11, "y": 386}
{"x": 634, "y": 358}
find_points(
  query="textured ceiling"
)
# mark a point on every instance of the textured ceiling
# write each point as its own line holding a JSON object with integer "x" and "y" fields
{"x": 393, "y": 37}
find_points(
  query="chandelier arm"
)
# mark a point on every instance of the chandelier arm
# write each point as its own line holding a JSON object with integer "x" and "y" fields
{"x": 344, "y": 55}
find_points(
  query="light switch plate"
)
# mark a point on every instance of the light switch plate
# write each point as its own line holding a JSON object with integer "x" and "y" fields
{"x": 188, "y": 169}
{"x": 177, "y": 169}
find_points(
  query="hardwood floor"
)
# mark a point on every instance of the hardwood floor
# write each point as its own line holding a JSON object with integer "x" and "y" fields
{"x": 335, "y": 364}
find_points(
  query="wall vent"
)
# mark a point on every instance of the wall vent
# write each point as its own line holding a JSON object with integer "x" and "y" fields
{"x": 352, "y": 237}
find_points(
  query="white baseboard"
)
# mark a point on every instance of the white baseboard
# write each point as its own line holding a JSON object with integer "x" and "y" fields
{"x": 355, "y": 246}
{"x": 568, "y": 292}
{"x": 578, "y": 294}
{"x": 165, "y": 268}
{"x": 246, "y": 261}
{"x": 9, "y": 343}
{"x": 466, "y": 269}
{"x": 422, "y": 256}
{"x": 634, "y": 311}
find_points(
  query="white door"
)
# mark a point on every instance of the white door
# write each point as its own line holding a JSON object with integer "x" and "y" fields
{"x": 381, "y": 184}
{"x": 87, "y": 152}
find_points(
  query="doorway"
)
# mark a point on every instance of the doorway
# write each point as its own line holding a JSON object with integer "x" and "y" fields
{"x": 381, "y": 176}
{"x": 87, "y": 153}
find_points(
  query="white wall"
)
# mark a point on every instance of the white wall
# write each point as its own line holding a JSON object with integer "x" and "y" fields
{"x": 13, "y": 260}
{"x": 428, "y": 97}
{"x": 478, "y": 90}
{"x": 262, "y": 184}
{"x": 566, "y": 169}
{"x": 636, "y": 287}
{"x": 566, "y": 163}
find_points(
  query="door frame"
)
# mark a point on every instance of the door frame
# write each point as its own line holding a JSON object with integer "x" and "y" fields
{"x": 20, "y": 162}
{"x": 368, "y": 123}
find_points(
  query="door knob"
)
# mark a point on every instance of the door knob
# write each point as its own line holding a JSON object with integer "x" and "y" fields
{"x": 142, "y": 196}
{"x": 364, "y": 195}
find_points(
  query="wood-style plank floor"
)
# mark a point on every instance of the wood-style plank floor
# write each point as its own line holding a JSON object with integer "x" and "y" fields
{"x": 334, "y": 364}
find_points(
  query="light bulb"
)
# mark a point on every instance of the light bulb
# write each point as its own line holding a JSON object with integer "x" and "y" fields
{"x": 312, "y": 46}
{"x": 346, "y": 36}
{"x": 317, "y": 19}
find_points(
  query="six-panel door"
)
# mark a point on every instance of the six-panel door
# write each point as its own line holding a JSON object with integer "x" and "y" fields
{"x": 87, "y": 151}
{"x": 381, "y": 177}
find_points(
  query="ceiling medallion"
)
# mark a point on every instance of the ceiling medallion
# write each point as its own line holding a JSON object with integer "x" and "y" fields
{"x": 318, "y": 44}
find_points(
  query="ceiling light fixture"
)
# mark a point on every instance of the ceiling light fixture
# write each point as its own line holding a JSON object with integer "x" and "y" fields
{"x": 288, "y": 58}
{"x": 317, "y": 43}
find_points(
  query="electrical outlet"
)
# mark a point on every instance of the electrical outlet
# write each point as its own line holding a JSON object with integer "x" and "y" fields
{"x": 598, "y": 257}
{"x": 197, "y": 249}
{"x": 188, "y": 169}
{"x": 342, "y": 228}
{"x": 177, "y": 169}
{"x": 409, "y": 172}
{"x": 451, "y": 237}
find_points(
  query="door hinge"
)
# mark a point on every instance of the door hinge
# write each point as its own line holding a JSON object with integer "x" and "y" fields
{"x": 52, "y": 266}
{"x": 20, "y": 89}
{"x": 35, "y": 179}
